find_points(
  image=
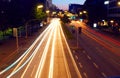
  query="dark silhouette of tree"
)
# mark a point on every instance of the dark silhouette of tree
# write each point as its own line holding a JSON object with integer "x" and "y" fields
{"x": 96, "y": 10}
{"x": 65, "y": 19}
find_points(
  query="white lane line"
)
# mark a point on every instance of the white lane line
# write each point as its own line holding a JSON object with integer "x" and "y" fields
{"x": 25, "y": 53}
{"x": 73, "y": 51}
{"x": 51, "y": 67}
{"x": 81, "y": 66}
{"x": 73, "y": 60}
{"x": 33, "y": 70}
{"x": 95, "y": 65}
{"x": 65, "y": 59}
{"x": 85, "y": 75}
{"x": 43, "y": 57}
{"x": 76, "y": 57}
{"x": 104, "y": 74}
{"x": 84, "y": 52}
{"x": 89, "y": 57}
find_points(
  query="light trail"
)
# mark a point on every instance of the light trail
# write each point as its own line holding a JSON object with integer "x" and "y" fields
{"x": 38, "y": 48}
{"x": 52, "y": 58}
{"x": 73, "y": 61}
{"x": 33, "y": 54}
{"x": 51, "y": 68}
{"x": 64, "y": 57}
{"x": 107, "y": 46}
{"x": 50, "y": 36}
{"x": 43, "y": 58}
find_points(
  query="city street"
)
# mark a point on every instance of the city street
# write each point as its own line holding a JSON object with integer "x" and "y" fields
{"x": 98, "y": 55}
{"x": 48, "y": 57}
{"x": 59, "y": 39}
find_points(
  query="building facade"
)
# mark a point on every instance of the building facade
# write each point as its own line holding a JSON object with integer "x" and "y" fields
{"x": 114, "y": 9}
{"x": 75, "y": 8}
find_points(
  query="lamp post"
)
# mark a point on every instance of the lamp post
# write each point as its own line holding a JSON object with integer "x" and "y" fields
{"x": 118, "y": 3}
{"x": 26, "y": 25}
{"x": 84, "y": 12}
{"x": 39, "y": 6}
{"x": 107, "y": 6}
{"x": 47, "y": 12}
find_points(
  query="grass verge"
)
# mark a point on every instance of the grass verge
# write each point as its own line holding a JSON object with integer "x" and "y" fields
{"x": 67, "y": 32}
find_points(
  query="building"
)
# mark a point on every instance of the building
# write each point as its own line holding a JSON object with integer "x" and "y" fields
{"x": 75, "y": 8}
{"x": 96, "y": 9}
{"x": 114, "y": 9}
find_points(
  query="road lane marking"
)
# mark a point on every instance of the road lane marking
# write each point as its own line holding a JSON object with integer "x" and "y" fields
{"x": 51, "y": 67}
{"x": 81, "y": 66}
{"x": 84, "y": 52}
{"x": 104, "y": 74}
{"x": 95, "y": 65}
{"x": 73, "y": 51}
{"x": 73, "y": 60}
{"x": 25, "y": 53}
{"x": 89, "y": 57}
{"x": 76, "y": 57}
{"x": 85, "y": 75}
{"x": 43, "y": 58}
{"x": 34, "y": 55}
{"x": 65, "y": 59}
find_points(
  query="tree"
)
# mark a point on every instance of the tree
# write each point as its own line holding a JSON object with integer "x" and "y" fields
{"x": 39, "y": 14}
{"x": 65, "y": 19}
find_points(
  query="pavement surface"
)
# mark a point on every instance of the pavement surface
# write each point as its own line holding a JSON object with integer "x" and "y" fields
{"x": 98, "y": 52}
{"x": 48, "y": 57}
{"x": 9, "y": 51}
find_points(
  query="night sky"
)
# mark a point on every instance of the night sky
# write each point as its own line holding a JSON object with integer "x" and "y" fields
{"x": 63, "y": 4}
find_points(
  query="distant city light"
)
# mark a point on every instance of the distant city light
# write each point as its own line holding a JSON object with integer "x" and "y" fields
{"x": 81, "y": 13}
{"x": 119, "y": 3}
{"x": 106, "y": 2}
{"x": 95, "y": 25}
{"x": 40, "y": 6}
{"x": 85, "y": 12}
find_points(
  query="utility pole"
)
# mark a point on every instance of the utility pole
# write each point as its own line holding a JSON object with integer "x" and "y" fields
{"x": 15, "y": 34}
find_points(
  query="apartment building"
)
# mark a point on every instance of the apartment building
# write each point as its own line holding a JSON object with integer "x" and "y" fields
{"x": 114, "y": 9}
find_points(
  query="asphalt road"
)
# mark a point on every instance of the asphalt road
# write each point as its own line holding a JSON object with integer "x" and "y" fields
{"x": 48, "y": 57}
{"x": 98, "y": 55}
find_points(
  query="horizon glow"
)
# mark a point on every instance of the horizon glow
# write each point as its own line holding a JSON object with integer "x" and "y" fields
{"x": 64, "y": 4}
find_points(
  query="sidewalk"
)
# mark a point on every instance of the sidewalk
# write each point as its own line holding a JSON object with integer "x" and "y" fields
{"x": 8, "y": 50}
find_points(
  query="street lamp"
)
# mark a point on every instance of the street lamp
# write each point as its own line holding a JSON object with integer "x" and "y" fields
{"x": 106, "y": 2}
{"x": 81, "y": 13}
{"x": 118, "y": 3}
{"x": 47, "y": 11}
{"x": 53, "y": 13}
{"x": 39, "y": 6}
{"x": 84, "y": 12}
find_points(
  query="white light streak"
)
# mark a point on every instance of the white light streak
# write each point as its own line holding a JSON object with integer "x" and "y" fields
{"x": 43, "y": 58}
{"x": 36, "y": 51}
{"x": 33, "y": 54}
{"x": 53, "y": 51}
{"x": 73, "y": 61}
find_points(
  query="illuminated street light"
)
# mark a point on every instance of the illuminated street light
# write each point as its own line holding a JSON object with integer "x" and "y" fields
{"x": 106, "y": 2}
{"x": 112, "y": 21}
{"x": 47, "y": 11}
{"x": 53, "y": 13}
{"x": 39, "y": 6}
{"x": 118, "y": 3}
{"x": 81, "y": 13}
{"x": 84, "y": 12}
